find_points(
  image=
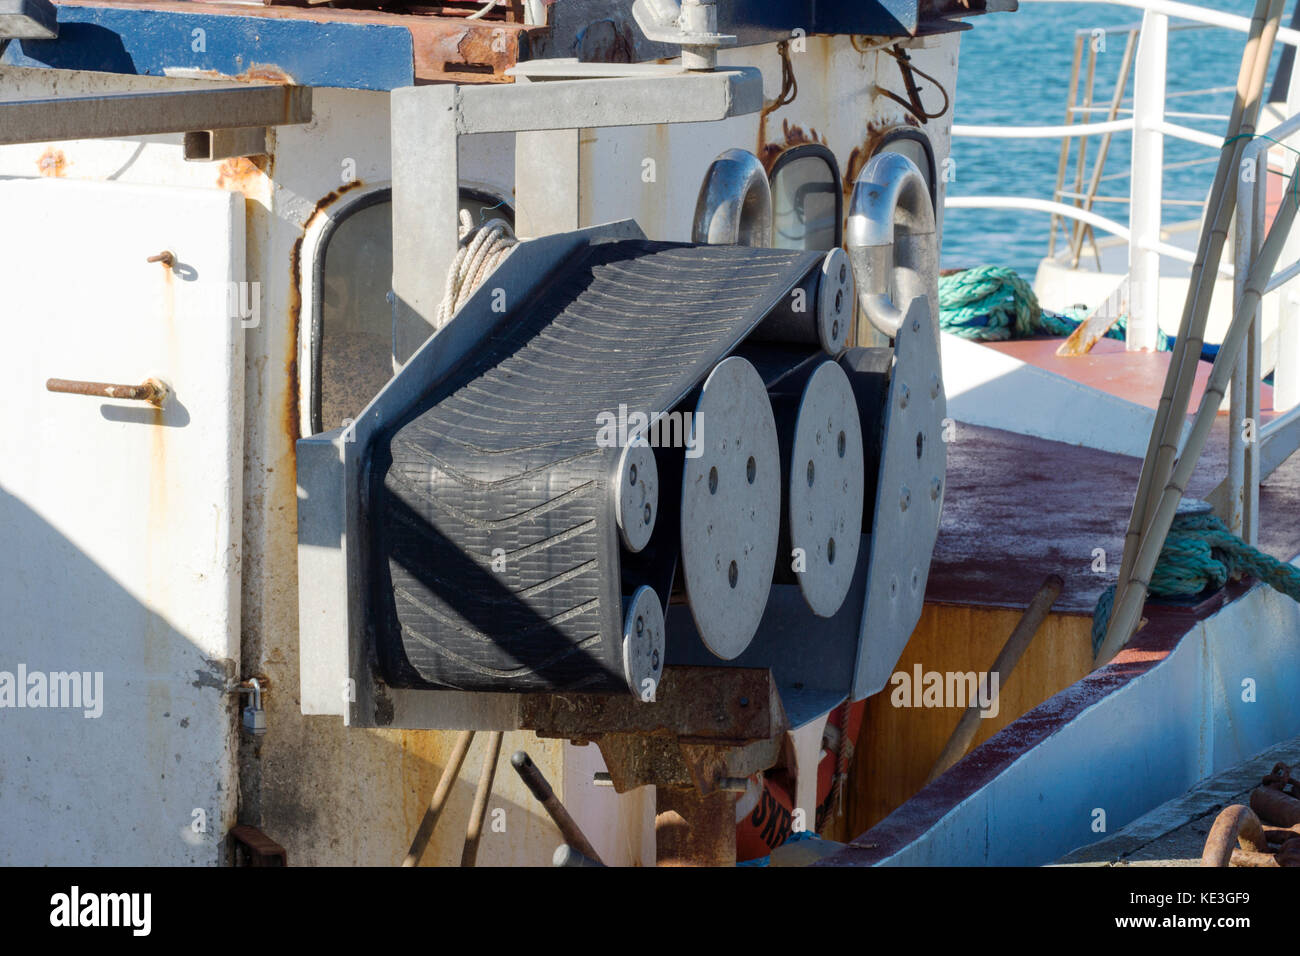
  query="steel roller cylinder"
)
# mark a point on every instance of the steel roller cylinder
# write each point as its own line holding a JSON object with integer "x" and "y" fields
{"x": 822, "y": 458}
{"x": 730, "y": 515}
{"x": 643, "y": 642}
{"x": 818, "y": 311}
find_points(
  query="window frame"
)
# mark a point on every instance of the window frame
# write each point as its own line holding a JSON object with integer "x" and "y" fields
{"x": 316, "y": 246}
{"x": 824, "y": 153}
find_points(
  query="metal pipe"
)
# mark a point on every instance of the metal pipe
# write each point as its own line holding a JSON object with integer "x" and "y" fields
{"x": 439, "y": 800}
{"x": 1178, "y": 382}
{"x": 151, "y": 390}
{"x": 1007, "y": 658}
{"x": 481, "y": 796}
{"x": 541, "y": 789}
{"x": 1128, "y": 606}
{"x": 1121, "y": 83}
{"x": 1064, "y": 159}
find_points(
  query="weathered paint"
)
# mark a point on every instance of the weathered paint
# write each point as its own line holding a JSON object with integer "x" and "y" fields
{"x": 277, "y": 44}
{"x": 52, "y": 163}
{"x": 128, "y": 517}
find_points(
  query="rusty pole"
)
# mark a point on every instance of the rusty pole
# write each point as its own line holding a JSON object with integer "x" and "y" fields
{"x": 1007, "y": 659}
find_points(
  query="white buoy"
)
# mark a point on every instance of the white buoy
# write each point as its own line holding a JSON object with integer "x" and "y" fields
{"x": 824, "y": 506}
{"x": 643, "y": 642}
{"x": 731, "y": 503}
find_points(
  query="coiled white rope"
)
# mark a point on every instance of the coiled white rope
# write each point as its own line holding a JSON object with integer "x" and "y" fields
{"x": 482, "y": 249}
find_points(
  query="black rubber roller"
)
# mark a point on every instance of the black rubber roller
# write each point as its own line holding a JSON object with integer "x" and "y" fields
{"x": 500, "y": 523}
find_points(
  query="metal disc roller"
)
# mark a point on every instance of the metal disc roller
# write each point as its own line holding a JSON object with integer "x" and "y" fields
{"x": 822, "y": 458}
{"x": 731, "y": 499}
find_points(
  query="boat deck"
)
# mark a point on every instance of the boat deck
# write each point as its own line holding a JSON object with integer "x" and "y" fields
{"x": 1042, "y": 507}
{"x": 1173, "y": 834}
{"x": 1016, "y": 509}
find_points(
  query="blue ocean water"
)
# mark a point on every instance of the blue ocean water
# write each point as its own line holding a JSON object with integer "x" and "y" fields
{"x": 1015, "y": 69}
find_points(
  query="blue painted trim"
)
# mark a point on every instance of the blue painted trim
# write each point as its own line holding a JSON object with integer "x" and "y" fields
{"x": 155, "y": 43}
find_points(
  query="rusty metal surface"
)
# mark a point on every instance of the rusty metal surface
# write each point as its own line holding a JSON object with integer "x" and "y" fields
{"x": 444, "y": 48}
{"x": 706, "y": 726}
{"x": 252, "y": 847}
{"x": 693, "y": 829}
{"x": 723, "y": 705}
{"x": 1265, "y": 834}
{"x": 1237, "y": 826}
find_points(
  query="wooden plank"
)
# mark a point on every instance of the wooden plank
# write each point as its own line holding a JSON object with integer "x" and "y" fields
{"x": 898, "y": 745}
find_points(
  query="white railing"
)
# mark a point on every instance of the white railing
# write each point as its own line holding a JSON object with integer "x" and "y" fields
{"x": 1149, "y": 122}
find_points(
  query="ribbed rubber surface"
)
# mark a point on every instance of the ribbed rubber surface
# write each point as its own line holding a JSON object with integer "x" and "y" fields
{"x": 501, "y": 459}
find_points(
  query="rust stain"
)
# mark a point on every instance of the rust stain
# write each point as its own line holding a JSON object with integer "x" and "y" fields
{"x": 256, "y": 73}
{"x": 243, "y": 174}
{"x": 52, "y": 163}
{"x": 292, "y": 420}
{"x": 791, "y": 136}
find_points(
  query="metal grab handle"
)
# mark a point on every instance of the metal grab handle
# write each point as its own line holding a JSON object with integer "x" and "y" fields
{"x": 735, "y": 202}
{"x": 150, "y": 390}
{"x": 892, "y": 240}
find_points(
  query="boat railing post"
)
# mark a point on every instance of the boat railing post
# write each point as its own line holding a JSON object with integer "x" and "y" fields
{"x": 1286, "y": 372}
{"x": 1147, "y": 181}
{"x": 1244, "y": 404}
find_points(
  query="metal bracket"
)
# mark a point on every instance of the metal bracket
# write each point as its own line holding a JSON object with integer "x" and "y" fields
{"x": 116, "y": 115}
{"x": 692, "y": 25}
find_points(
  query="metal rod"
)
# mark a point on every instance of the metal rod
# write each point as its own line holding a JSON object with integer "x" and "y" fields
{"x": 139, "y": 114}
{"x": 537, "y": 784}
{"x": 150, "y": 390}
{"x": 1064, "y": 160}
{"x": 1177, "y": 387}
{"x": 1128, "y": 606}
{"x": 1006, "y": 662}
{"x": 481, "y": 797}
{"x": 1121, "y": 83}
{"x": 1236, "y": 826}
{"x": 439, "y": 800}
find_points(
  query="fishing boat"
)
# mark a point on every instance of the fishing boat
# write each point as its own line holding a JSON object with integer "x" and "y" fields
{"x": 396, "y": 391}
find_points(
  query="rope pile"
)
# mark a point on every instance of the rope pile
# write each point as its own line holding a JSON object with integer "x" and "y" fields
{"x": 1200, "y": 553}
{"x": 993, "y": 304}
{"x": 482, "y": 249}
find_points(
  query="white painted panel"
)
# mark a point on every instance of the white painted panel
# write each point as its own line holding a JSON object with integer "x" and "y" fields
{"x": 121, "y": 522}
{"x": 990, "y": 388}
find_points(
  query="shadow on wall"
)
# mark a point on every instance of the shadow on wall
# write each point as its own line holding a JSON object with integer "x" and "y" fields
{"x": 148, "y": 780}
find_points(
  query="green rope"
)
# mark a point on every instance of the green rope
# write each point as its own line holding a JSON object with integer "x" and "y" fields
{"x": 1200, "y": 553}
{"x": 993, "y": 304}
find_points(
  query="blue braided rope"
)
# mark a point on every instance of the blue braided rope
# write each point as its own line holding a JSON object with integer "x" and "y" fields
{"x": 1200, "y": 553}
{"x": 993, "y": 304}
